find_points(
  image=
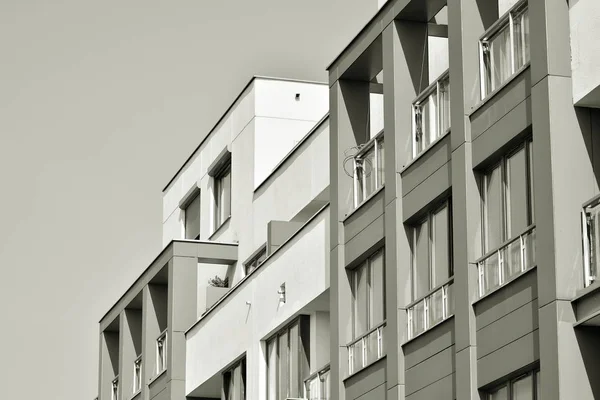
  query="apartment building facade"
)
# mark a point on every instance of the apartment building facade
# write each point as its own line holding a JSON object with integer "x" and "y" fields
{"x": 245, "y": 262}
{"x": 464, "y": 233}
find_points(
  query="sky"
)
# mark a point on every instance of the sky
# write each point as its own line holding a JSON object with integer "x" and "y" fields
{"x": 101, "y": 102}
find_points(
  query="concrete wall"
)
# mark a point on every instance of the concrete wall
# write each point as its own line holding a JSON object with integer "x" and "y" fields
{"x": 253, "y": 312}
{"x": 584, "y": 18}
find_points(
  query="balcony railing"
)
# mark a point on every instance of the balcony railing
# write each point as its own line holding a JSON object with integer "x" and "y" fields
{"x": 432, "y": 309}
{"x": 369, "y": 169}
{"x": 431, "y": 114}
{"x": 507, "y": 262}
{"x": 504, "y": 48}
{"x": 114, "y": 392}
{"x": 137, "y": 374}
{"x": 317, "y": 386}
{"x": 366, "y": 349}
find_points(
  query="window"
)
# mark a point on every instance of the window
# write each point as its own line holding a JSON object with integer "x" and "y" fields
{"x": 431, "y": 114}
{"x": 369, "y": 169}
{"x": 591, "y": 241}
{"x": 114, "y": 392}
{"x": 504, "y": 49}
{"x": 192, "y": 218}
{"x": 234, "y": 382}
{"x": 524, "y": 387}
{"x": 256, "y": 260}
{"x": 161, "y": 353}
{"x": 368, "y": 296}
{"x": 431, "y": 270}
{"x": 508, "y": 215}
{"x": 222, "y": 191}
{"x": 287, "y": 361}
{"x": 318, "y": 386}
{"x": 137, "y": 374}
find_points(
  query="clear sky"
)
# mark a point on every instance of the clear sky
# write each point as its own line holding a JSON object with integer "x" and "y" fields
{"x": 100, "y": 104}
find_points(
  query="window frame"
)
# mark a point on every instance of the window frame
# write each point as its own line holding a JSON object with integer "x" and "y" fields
{"x": 303, "y": 325}
{"x": 377, "y": 143}
{"x": 229, "y": 376}
{"x": 506, "y": 21}
{"x": 353, "y": 284}
{"x": 434, "y": 88}
{"x": 161, "y": 356}
{"x": 506, "y": 231}
{"x": 224, "y": 171}
{"x": 189, "y": 202}
{"x": 255, "y": 260}
{"x": 590, "y": 272}
{"x": 509, "y": 383}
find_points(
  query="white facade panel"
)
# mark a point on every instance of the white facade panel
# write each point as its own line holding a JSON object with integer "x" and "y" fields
{"x": 584, "y": 18}
{"x": 254, "y": 311}
{"x": 277, "y": 99}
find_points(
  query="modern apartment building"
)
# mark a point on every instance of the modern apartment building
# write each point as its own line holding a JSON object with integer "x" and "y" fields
{"x": 435, "y": 236}
{"x": 464, "y": 234}
{"x": 245, "y": 265}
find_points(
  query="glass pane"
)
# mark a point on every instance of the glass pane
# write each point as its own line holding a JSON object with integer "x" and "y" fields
{"x": 493, "y": 209}
{"x": 421, "y": 261}
{"x": 418, "y": 318}
{"x": 444, "y": 106}
{"x": 226, "y": 196}
{"x": 368, "y": 162}
{"x": 499, "y": 58}
{"x": 491, "y": 278}
{"x": 360, "y": 300}
{"x": 325, "y": 386}
{"x": 357, "y": 356}
{"x": 521, "y": 38}
{"x": 429, "y": 127}
{"x": 522, "y": 389}
{"x": 312, "y": 389}
{"x": 372, "y": 347}
{"x": 441, "y": 248}
{"x": 295, "y": 389}
{"x": 377, "y": 290}
{"x": 436, "y": 311}
{"x": 500, "y": 394}
{"x": 450, "y": 299}
{"x": 518, "y": 204}
{"x": 284, "y": 378}
{"x": 512, "y": 261}
{"x": 594, "y": 240}
{"x": 380, "y": 162}
{"x": 192, "y": 219}
{"x": 272, "y": 370}
{"x": 529, "y": 249}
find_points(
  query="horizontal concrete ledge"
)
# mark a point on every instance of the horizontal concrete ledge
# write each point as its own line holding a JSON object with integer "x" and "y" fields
{"x": 205, "y": 251}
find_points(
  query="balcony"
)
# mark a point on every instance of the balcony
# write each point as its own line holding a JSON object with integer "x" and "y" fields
{"x": 318, "y": 385}
{"x": 504, "y": 49}
{"x": 430, "y": 310}
{"x": 500, "y": 266}
{"x": 369, "y": 170}
{"x": 366, "y": 349}
{"x": 431, "y": 114}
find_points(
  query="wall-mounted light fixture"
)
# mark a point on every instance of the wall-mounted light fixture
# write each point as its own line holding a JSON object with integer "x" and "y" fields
{"x": 281, "y": 293}
{"x": 297, "y": 96}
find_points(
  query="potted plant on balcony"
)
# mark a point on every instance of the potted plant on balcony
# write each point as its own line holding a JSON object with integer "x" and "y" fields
{"x": 216, "y": 289}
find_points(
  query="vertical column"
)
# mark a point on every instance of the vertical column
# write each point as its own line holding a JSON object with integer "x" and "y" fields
{"x": 466, "y": 23}
{"x": 563, "y": 181}
{"x": 403, "y": 45}
{"x": 349, "y": 102}
{"x": 182, "y": 311}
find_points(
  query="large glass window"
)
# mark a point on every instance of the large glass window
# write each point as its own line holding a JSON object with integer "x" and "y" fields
{"x": 287, "y": 361}
{"x": 222, "y": 191}
{"x": 507, "y": 207}
{"x": 524, "y": 387}
{"x": 234, "y": 382}
{"x": 431, "y": 114}
{"x": 505, "y": 48}
{"x": 369, "y": 169}
{"x": 591, "y": 241}
{"x": 192, "y": 218}
{"x": 431, "y": 270}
